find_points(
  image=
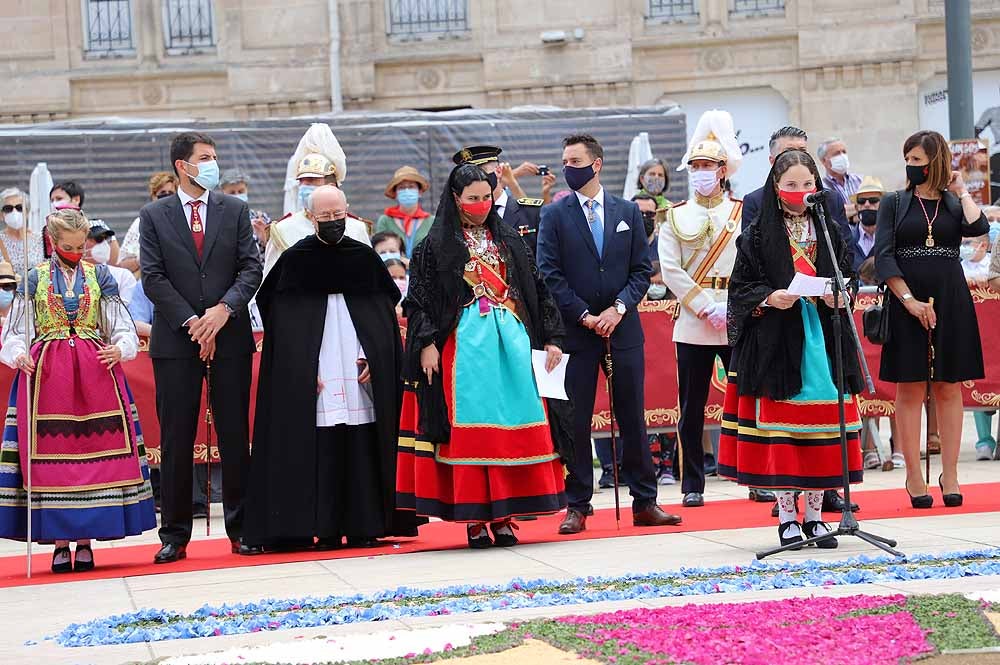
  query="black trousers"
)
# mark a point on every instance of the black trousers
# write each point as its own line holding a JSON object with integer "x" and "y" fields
{"x": 582, "y": 375}
{"x": 348, "y": 483}
{"x": 695, "y": 364}
{"x": 178, "y": 406}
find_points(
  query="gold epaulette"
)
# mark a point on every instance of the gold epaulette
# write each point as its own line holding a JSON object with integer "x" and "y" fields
{"x": 531, "y": 202}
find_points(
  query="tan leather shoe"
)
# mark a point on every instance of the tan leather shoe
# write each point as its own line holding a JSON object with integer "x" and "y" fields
{"x": 575, "y": 522}
{"x": 654, "y": 516}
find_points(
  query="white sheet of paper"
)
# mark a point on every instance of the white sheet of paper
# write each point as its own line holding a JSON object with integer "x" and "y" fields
{"x": 550, "y": 384}
{"x": 806, "y": 285}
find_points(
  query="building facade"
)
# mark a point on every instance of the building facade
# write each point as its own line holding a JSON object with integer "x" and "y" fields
{"x": 869, "y": 71}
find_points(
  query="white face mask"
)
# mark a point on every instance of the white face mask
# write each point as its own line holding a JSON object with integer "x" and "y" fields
{"x": 704, "y": 182}
{"x": 101, "y": 252}
{"x": 14, "y": 219}
{"x": 840, "y": 163}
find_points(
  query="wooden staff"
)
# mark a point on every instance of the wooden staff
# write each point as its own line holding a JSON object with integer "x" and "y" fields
{"x": 927, "y": 397}
{"x": 27, "y": 401}
{"x": 609, "y": 370}
{"x": 208, "y": 452}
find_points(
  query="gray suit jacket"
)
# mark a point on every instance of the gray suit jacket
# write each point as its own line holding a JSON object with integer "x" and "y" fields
{"x": 181, "y": 286}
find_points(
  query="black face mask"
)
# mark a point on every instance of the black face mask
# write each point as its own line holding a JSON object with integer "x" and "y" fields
{"x": 649, "y": 222}
{"x": 916, "y": 175}
{"x": 867, "y": 217}
{"x": 332, "y": 232}
{"x": 492, "y": 179}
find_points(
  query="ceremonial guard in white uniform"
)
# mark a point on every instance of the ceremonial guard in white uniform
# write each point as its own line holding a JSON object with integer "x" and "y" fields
{"x": 697, "y": 250}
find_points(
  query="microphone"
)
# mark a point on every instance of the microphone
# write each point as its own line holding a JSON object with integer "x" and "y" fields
{"x": 814, "y": 199}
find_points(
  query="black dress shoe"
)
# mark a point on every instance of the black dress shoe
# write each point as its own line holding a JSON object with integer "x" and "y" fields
{"x": 815, "y": 528}
{"x": 834, "y": 503}
{"x": 65, "y": 566}
{"x": 503, "y": 534}
{"x": 761, "y": 496}
{"x": 170, "y": 553}
{"x": 479, "y": 537}
{"x": 693, "y": 500}
{"x": 86, "y": 564}
{"x": 784, "y": 539}
{"x": 953, "y": 500}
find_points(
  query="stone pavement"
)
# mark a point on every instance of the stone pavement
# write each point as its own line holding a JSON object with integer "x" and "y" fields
{"x": 32, "y": 613}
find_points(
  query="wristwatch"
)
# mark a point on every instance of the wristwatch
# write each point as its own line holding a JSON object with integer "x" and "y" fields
{"x": 620, "y": 307}
{"x": 907, "y": 296}
{"x": 229, "y": 310}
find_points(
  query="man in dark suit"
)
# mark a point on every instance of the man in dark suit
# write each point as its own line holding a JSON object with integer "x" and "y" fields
{"x": 793, "y": 138}
{"x": 200, "y": 268}
{"x": 594, "y": 256}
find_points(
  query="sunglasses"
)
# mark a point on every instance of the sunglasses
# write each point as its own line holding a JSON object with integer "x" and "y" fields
{"x": 11, "y": 208}
{"x": 873, "y": 200}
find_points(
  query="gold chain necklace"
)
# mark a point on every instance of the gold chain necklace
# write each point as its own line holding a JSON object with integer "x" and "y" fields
{"x": 930, "y": 220}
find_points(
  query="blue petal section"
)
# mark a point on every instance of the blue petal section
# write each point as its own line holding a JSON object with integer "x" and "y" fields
{"x": 152, "y": 625}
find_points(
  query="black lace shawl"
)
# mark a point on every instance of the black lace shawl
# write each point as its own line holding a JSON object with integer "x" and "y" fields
{"x": 767, "y": 342}
{"x": 436, "y": 296}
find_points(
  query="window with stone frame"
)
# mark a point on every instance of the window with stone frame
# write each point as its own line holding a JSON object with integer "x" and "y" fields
{"x": 426, "y": 17}
{"x": 673, "y": 10}
{"x": 756, "y": 8}
{"x": 188, "y": 26}
{"x": 107, "y": 28}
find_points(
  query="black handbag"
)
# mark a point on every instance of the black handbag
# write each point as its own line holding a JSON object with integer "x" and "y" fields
{"x": 875, "y": 318}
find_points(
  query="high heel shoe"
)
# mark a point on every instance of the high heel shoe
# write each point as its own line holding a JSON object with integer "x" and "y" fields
{"x": 923, "y": 501}
{"x": 953, "y": 500}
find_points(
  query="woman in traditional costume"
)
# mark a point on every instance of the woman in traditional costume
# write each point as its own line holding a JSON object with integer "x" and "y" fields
{"x": 89, "y": 476}
{"x": 780, "y": 426}
{"x": 482, "y": 447}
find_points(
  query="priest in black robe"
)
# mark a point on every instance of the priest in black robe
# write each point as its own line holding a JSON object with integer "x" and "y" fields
{"x": 323, "y": 464}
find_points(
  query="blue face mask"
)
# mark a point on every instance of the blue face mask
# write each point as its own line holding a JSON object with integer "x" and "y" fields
{"x": 388, "y": 256}
{"x": 578, "y": 176}
{"x": 6, "y": 298}
{"x": 305, "y": 191}
{"x": 242, "y": 197}
{"x": 208, "y": 174}
{"x": 407, "y": 197}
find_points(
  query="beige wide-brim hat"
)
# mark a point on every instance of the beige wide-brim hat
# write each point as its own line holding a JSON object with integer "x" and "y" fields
{"x": 7, "y": 273}
{"x": 403, "y": 174}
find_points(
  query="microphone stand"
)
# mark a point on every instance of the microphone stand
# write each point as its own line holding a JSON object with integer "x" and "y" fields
{"x": 848, "y": 523}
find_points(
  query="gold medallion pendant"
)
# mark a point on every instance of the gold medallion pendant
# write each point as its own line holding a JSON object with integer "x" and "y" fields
{"x": 929, "y": 242}
{"x": 196, "y": 227}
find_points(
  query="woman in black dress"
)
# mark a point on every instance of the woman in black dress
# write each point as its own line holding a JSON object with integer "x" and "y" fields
{"x": 917, "y": 254}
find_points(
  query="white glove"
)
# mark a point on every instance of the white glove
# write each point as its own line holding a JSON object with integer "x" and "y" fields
{"x": 717, "y": 315}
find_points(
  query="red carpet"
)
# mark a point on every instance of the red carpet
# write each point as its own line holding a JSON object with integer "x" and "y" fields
{"x": 734, "y": 514}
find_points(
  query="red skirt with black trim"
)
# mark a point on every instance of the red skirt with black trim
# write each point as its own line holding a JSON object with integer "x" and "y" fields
{"x": 753, "y": 454}
{"x": 469, "y": 493}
